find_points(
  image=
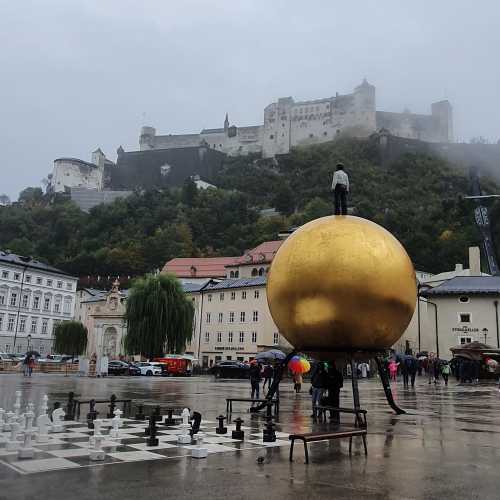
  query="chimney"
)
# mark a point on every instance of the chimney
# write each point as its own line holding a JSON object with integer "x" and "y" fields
{"x": 474, "y": 261}
{"x": 459, "y": 267}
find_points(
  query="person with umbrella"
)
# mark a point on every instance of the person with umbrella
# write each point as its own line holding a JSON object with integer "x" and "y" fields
{"x": 255, "y": 378}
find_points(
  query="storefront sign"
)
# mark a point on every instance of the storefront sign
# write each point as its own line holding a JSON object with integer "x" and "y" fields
{"x": 465, "y": 329}
{"x": 228, "y": 348}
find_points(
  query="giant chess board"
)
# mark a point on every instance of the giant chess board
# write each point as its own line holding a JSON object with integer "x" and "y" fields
{"x": 70, "y": 449}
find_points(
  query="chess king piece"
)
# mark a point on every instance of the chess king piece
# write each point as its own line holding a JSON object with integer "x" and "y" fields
{"x": 13, "y": 443}
{"x": 157, "y": 413}
{"x": 44, "y": 407}
{"x": 27, "y": 450}
{"x": 221, "y": 429}
{"x": 112, "y": 405}
{"x": 153, "y": 440}
{"x": 116, "y": 423}
{"x": 200, "y": 451}
{"x": 44, "y": 424}
{"x": 185, "y": 437}
{"x": 57, "y": 416}
{"x": 238, "y": 433}
{"x": 70, "y": 407}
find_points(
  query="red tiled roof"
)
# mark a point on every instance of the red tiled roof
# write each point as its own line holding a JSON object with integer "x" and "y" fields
{"x": 261, "y": 254}
{"x": 199, "y": 267}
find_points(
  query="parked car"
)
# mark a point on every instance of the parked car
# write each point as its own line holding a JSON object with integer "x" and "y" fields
{"x": 230, "y": 369}
{"x": 117, "y": 367}
{"x": 5, "y": 356}
{"x": 163, "y": 366}
{"x": 149, "y": 369}
{"x": 57, "y": 358}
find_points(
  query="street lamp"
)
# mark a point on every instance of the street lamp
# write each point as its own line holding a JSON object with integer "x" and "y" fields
{"x": 485, "y": 333}
{"x": 29, "y": 341}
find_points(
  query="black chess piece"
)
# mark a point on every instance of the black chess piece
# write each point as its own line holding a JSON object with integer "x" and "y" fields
{"x": 269, "y": 434}
{"x": 70, "y": 407}
{"x": 169, "y": 419}
{"x": 238, "y": 433}
{"x": 140, "y": 413}
{"x": 221, "y": 429}
{"x": 195, "y": 423}
{"x": 152, "y": 430}
{"x": 157, "y": 413}
{"x": 92, "y": 414}
{"x": 112, "y": 405}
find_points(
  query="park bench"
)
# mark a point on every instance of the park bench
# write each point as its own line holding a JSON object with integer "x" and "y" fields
{"x": 310, "y": 437}
{"x": 229, "y": 403}
{"x": 359, "y": 414}
{"x": 127, "y": 404}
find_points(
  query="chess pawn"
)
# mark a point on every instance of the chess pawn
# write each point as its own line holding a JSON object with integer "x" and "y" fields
{"x": 13, "y": 443}
{"x": 200, "y": 451}
{"x": 43, "y": 423}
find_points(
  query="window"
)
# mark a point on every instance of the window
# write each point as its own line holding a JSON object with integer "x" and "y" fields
{"x": 7, "y": 348}
{"x": 5, "y": 274}
{"x": 242, "y": 336}
{"x": 230, "y": 337}
{"x": 1, "y": 322}
{"x": 17, "y": 276}
{"x": 69, "y": 286}
{"x": 67, "y": 306}
{"x": 465, "y": 340}
{"x": 36, "y": 302}
{"x": 49, "y": 282}
{"x": 254, "y": 337}
{"x": 19, "y": 348}
{"x": 255, "y": 316}
{"x": 464, "y": 299}
{"x": 261, "y": 271}
{"x": 34, "y": 323}
{"x": 39, "y": 281}
{"x": 41, "y": 349}
{"x": 207, "y": 337}
{"x": 57, "y": 307}
{"x": 221, "y": 316}
{"x": 231, "y": 317}
{"x": 24, "y": 302}
{"x": 229, "y": 358}
{"x": 2, "y": 299}
{"x": 46, "y": 304}
{"x": 13, "y": 299}
{"x": 256, "y": 294}
{"x": 276, "y": 338}
{"x": 27, "y": 279}
{"x": 221, "y": 297}
{"x": 219, "y": 337}
{"x": 243, "y": 295}
{"x": 209, "y": 297}
{"x": 254, "y": 272}
{"x": 242, "y": 316}
{"x": 54, "y": 326}
{"x": 45, "y": 325}
{"x": 59, "y": 284}
{"x": 233, "y": 295}
{"x": 10, "y": 323}
{"x": 208, "y": 317}
{"x": 22, "y": 324}
{"x": 464, "y": 317}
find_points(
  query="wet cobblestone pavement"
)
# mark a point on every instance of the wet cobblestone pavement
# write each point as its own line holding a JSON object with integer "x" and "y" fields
{"x": 447, "y": 446}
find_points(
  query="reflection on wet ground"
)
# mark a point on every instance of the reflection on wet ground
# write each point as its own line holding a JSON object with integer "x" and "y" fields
{"x": 447, "y": 446}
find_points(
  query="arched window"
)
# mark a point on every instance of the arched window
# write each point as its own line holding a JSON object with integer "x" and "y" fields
{"x": 254, "y": 272}
{"x": 231, "y": 274}
{"x": 261, "y": 271}
{"x": 236, "y": 274}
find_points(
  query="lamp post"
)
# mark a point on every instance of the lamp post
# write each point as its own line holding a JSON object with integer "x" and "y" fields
{"x": 485, "y": 333}
{"x": 29, "y": 342}
{"x": 436, "y": 322}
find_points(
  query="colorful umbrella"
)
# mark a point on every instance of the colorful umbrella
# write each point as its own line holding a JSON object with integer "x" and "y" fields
{"x": 299, "y": 365}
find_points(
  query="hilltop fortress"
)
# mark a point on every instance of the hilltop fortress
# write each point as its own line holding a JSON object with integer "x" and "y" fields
{"x": 288, "y": 123}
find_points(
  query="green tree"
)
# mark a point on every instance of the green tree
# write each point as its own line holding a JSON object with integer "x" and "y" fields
{"x": 31, "y": 196}
{"x": 70, "y": 337}
{"x": 159, "y": 317}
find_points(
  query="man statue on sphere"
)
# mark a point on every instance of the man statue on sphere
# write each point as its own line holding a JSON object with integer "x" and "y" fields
{"x": 340, "y": 188}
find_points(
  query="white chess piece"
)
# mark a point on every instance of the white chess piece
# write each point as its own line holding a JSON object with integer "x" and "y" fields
{"x": 13, "y": 443}
{"x": 43, "y": 423}
{"x": 116, "y": 423}
{"x": 27, "y": 450}
{"x": 57, "y": 416}
{"x": 45, "y": 405}
{"x": 17, "y": 404}
{"x": 200, "y": 451}
{"x": 2, "y": 418}
{"x": 184, "y": 437}
{"x": 10, "y": 418}
{"x": 95, "y": 442}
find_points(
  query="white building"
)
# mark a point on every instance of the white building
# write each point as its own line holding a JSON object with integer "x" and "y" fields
{"x": 232, "y": 321}
{"x": 34, "y": 298}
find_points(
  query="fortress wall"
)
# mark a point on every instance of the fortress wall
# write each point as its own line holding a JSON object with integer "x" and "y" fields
{"x": 69, "y": 172}
{"x": 176, "y": 141}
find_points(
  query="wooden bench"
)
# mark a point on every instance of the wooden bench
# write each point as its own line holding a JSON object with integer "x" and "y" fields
{"x": 310, "y": 437}
{"x": 229, "y": 403}
{"x": 127, "y": 403}
{"x": 359, "y": 414}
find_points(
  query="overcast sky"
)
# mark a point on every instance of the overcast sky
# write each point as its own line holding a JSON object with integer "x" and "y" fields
{"x": 78, "y": 74}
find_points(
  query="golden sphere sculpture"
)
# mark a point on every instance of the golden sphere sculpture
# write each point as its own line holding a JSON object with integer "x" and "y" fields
{"x": 341, "y": 283}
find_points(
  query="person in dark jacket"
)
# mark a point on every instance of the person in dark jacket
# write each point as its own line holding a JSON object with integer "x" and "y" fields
{"x": 268, "y": 373}
{"x": 319, "y": 382}
{"x": 334, "y": 382}
{"x": 255, "y": 378}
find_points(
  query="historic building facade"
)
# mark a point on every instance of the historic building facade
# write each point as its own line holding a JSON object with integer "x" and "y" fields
{"x": 34, "y": 298}
{"x": 288, "y": 123}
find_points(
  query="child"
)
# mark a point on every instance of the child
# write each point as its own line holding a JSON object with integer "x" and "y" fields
{"x": 393, "y": 369}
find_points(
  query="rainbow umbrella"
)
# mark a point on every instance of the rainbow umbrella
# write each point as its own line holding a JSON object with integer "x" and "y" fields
{"x": 299, "y": 365}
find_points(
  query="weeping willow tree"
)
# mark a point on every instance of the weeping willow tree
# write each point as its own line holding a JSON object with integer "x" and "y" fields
{"x": 70, "y": 337}
{"x": 159, "y": 317}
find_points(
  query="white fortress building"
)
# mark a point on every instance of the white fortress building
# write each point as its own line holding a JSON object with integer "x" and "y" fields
{"x": 288, "y": 123}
